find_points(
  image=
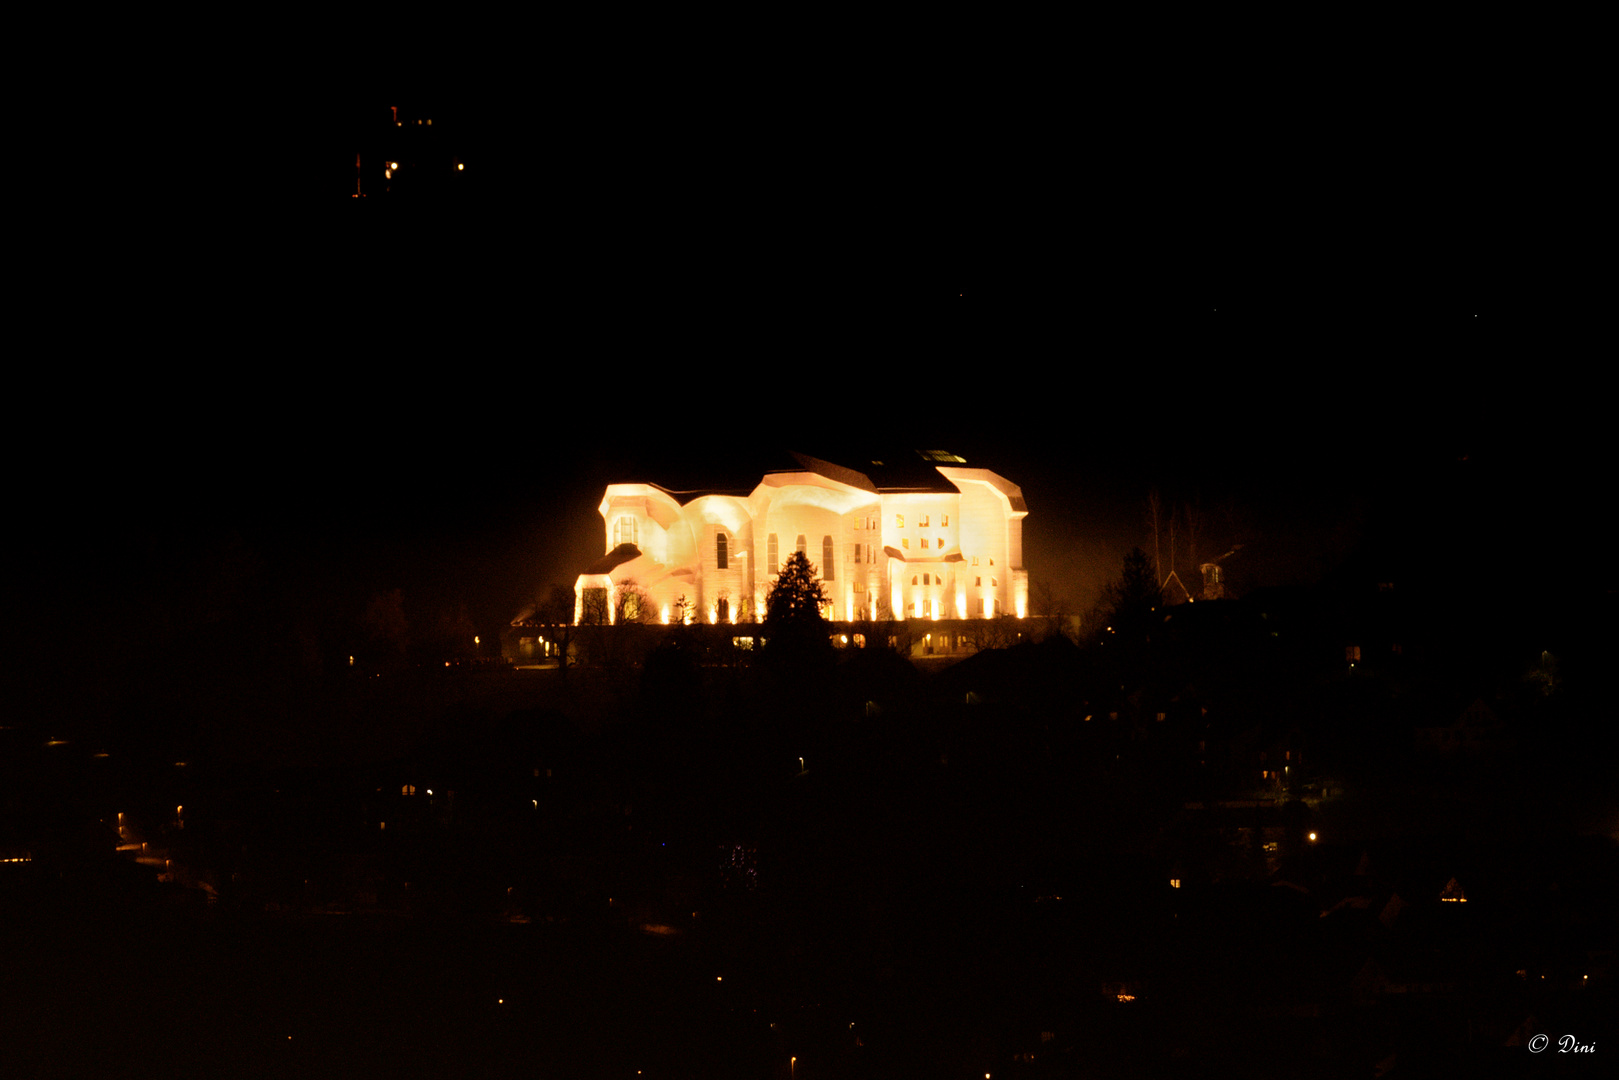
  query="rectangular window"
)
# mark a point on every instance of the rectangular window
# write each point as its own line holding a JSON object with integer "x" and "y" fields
{"x": 924, "y": 543}
{"x": 975, "y": 560}
{"x": 939, "y": 543}
{"x": 905, "y": 543}
{"x": 924, "y": 522}
{"x": 944, "y": 521}
{"x": 857, "y": 553}
{"x": 899, "y": 521}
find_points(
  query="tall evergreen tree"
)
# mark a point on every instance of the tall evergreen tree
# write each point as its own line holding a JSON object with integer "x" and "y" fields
{"x": 1133, "y": 599}
{"x": 797, "y": 598}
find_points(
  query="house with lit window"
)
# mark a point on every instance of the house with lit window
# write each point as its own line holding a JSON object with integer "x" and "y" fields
{"x": 920, "y": 536}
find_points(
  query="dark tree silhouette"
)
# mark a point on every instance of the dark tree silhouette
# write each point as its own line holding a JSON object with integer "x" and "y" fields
{"x": 797, "y": 597}
{"x": 1132, "y": 600}
{"x": 557, "y": 612}
{"x": 795, "y": 629}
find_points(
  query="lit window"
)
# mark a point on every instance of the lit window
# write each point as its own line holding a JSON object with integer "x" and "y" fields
{"x": 827, "y": 562}
{"x": 802, "y": 546}
{"x": 975, "y": 560}
{"x": 772, "y": 555}
{"x": 899, "y": 521}
{"x": 944, "y": 521}
{"x": 924, "y": 543}
{"x": 720, "y": 552}
{"x": 924, "y": 522}
{"x": 905, "y": 543}
{"x": 938, "y": 542}
{"x": 626, "y": 532}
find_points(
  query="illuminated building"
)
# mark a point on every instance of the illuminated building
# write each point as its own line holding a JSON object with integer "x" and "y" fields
{"x": 926, "y": 537}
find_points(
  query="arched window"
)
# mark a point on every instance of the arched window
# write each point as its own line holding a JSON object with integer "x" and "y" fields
{"x": 773, "y": 555}
{"x": 827, "y": 563}
{"x": 914, "y": 581}
{"x": 802, "y": 546}
{"x": 625, "y": 532}
{"x": 720, "y": 551}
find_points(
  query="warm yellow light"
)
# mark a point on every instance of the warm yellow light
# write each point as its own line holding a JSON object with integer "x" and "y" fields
{"x": 459, "y": 167}
{"x": 1312, "y": 838}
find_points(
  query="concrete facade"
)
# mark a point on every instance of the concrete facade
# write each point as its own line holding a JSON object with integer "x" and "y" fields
{"x": 950, "y": 547}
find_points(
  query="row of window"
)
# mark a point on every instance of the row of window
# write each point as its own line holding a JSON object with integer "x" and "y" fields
{"x": 626, "y": 531}
{"x": 978, "y": 582}
{"x": 773, "y": 555}
{"x": 987, "y": 607}
{"x": 922, "y": 522}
